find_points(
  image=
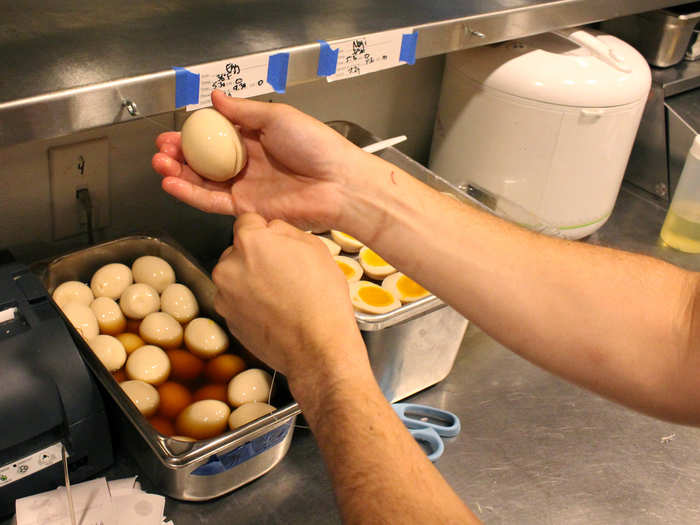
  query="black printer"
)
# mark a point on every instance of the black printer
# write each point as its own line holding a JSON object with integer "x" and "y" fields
{"x": 48, "y": 398}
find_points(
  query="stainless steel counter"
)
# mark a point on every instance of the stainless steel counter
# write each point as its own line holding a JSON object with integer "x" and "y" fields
{"x": 68, "y": 65}
{"x": 533, "y": 449}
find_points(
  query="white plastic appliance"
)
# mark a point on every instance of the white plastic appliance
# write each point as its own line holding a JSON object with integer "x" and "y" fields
{"x": 547, "y": 122}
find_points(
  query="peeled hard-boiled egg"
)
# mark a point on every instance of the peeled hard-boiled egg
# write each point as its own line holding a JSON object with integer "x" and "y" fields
{"x": 72, "y": 292}
{"x": 173, "y": 399}
{"x": 203, "y": 419}
{"x": 109, "y": 351}
{"x": 350, "y": 268}
{"x": 82, "y": 318}
{"x": 109, "y": 315}
{"x": 184, "y": 365}
{"x": 139, "y": 300}
{"x": 161, "y": 329}
{"x": 111, "y": 280}
{"x": 222, "y": 368}
{"x": 153, "y": 271}
{"x": 333, "y": 247}
{"x": 346, "y": 242}
{"x": 372, "y": 298}
{"x": 205, "y": 339}
{"x": 149, "y": 364}
{"x": 143, "y": 395}
{"x": 130, "y": 341}
{"x": 179, "y": 301}
{"x": 405, "y": 288}
{"x": 248, "y": 412}
{"x": 249, "y": 386}
{"x": 212, "y": 145}
{"x": 375, "y": 267}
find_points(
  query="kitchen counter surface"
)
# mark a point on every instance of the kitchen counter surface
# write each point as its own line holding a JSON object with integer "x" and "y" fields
{"x": 533, "y": 448}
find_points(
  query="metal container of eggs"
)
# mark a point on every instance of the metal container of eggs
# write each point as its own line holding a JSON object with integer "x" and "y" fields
{"x": 414, "y": 346}
{"x": 194, "y": 471}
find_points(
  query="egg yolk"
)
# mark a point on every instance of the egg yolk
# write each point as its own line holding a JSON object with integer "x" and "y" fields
{"x": 409, "y": 287}
{"x": 346, "y": 268}
{"x": 350, "y": 237}
{"x": 373, "y": 259}
{"x": 375, "y": 296}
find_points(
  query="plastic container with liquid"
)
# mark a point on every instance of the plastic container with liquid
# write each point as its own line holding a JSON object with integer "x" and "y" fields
{"x": 681, "y": 229}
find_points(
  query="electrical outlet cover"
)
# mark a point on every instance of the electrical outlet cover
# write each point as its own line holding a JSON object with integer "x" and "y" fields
{"x": 74, "y": 167}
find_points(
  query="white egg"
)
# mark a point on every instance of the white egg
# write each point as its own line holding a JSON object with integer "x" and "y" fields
{"x": 248, "y": 412}
{"x": 350, "y": 267}
{"x": 109, "y": 316}
{"x": 405, "y": 288}
{"x": 204, "y": 338}
{"x": 111, "y": 280}
{"x": 153, "y": 271}
{"x": 109, "y": 351}
{"x": 203, "y": 419}
{"x": 180, "y": 302}
{"x": 372, "y": 299}
{"x": 374, "y": 266}
{"x": 72, "y": 292}
{"x": 139, "y": 300}
{"x": 161, "y": 329}
{"x": 149, "y": 364}
{"x": 212, "y": 145}
{"x": 346, "y": 242}
{"x": 333, "y": 247}
{"x": 143, "y": 395}
{"x": 82, "y": 318}
{"x": 249, "y": 386}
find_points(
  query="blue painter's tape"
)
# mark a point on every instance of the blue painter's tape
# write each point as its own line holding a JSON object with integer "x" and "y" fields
{"x": 277, "y": 71}
{"x": 408, "y": 48}
{"x": 327, "y": 60}
{"x": 186, "y": 87}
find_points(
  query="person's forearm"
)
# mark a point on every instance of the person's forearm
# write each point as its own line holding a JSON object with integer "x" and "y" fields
{"x": 379, "y": 473}
{"x": 614, "y": 322}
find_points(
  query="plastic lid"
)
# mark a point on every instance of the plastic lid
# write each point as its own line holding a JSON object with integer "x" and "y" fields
{"x": 575, "y": 67}
{"x": 695, "y": 148}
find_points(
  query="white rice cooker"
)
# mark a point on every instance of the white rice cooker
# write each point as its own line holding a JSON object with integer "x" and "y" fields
{"x": 547, "y": 122}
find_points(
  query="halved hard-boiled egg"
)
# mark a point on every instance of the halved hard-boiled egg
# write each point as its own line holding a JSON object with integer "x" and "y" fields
{"x": 346, "y": 242}
{"x": 405, "y": 288}
{"x": 375, "y": 267}
{"x": 372, "y": 299}
{"x": 350, "y": 267}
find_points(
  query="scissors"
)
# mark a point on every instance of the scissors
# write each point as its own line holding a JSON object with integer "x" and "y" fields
{"x": 428, "y": 425}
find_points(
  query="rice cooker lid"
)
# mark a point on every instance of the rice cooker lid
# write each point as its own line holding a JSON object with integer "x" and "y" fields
{"x": 572, "y": 67}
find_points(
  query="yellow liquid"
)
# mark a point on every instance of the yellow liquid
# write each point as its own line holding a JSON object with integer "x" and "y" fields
{"x": 681, "y": 229}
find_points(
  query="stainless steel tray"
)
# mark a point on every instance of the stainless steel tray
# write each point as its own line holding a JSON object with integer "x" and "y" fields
{"x": 188, "y": 471}
{"x": 414, "y": 346}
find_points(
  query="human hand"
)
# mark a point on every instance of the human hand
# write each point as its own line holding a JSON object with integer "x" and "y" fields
{"x": 286, "y": 301}
{"x": 297, "y": 167}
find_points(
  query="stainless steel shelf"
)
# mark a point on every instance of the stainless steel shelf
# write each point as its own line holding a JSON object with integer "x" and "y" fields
{"x": 68, "y": 65}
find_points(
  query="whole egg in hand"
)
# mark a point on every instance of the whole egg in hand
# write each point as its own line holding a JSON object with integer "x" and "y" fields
{"x": 212, "y": 145}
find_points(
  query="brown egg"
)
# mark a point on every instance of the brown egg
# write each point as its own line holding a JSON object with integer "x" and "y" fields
{"x": 222, "y": 368}
{"x": 162, "y": 425}
{"x": 119, "y": 376}
{"x": 130, "y": 341}
{"x": 173, "y": 399}
{"x": 218, "y": 392}
{"x": 203, "y": 419}
{"x": 184, "y": 366}
{"x": 132, "y": 325}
